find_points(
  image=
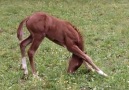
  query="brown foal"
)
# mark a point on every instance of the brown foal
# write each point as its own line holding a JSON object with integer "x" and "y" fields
{"x": 41, "y": 25}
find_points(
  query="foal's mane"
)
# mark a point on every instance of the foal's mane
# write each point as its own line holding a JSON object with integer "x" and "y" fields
{"x": 77, "y": 30}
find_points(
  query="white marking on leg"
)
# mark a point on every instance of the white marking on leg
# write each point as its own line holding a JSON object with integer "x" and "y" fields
{"x": 24, "y": 65}
{"x": 26, "y": 71}
{"x": 102, "y": 73}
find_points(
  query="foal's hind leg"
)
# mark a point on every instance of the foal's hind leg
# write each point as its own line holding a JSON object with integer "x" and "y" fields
{"x": 31, "y": 52}
{"x": 23, "y": 45}
{"x": 89, "y": 68}
{"x": 74, "y": 63}
{"x": 74, "y": 49}
{"x": 78, "y": 52}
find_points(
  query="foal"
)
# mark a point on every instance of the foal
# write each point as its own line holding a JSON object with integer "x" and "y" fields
{"x": 41, "y": 25}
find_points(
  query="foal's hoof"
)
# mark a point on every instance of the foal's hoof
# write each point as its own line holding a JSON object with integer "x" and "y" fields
{"x": 35, "y": 76}
{"x": 24, "y": 77}
{"x": 102, "y": 73}
{"x": 105, "y": 75}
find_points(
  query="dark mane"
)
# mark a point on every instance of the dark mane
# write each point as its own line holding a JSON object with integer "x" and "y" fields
{"x": 80, "y": 35}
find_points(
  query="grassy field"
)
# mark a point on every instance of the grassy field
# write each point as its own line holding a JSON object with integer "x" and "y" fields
{"x": 104, "y": 25}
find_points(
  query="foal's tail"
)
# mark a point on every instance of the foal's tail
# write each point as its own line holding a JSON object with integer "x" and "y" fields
{"x": 19, "y": 30}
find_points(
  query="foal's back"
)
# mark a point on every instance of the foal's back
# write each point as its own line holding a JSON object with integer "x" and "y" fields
{"x": 54, "y": 29}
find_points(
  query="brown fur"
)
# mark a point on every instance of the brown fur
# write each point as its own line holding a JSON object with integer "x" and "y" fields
{"x": 61, "y": 32}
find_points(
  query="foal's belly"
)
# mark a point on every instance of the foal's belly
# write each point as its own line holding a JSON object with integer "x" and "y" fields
{"x": 58, "y": 41}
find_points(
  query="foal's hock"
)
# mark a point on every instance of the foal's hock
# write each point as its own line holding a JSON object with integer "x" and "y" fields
{"x": 61, "y": 32}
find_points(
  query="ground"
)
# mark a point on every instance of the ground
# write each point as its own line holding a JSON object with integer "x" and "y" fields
{"x": 104, "y": 25}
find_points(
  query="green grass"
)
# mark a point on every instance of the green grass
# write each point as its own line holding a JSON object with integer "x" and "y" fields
{"x": 104, "y": 25}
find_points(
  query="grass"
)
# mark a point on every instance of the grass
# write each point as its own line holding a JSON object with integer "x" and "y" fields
{"x": 104, "y": 25}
